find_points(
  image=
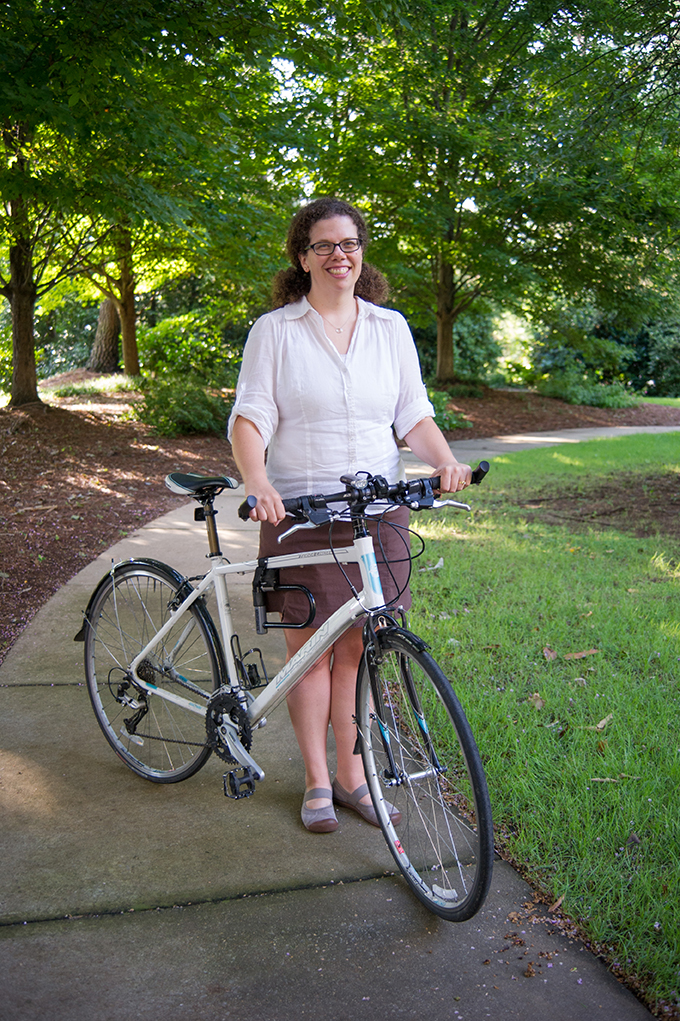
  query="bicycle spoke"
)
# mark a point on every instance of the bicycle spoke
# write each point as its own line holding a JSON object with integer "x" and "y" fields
{"x": 420, "y": 757}
{"x": 167, "y": 742}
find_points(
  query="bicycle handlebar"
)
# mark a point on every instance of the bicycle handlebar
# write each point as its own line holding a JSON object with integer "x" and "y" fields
{"x": 416, "y": 493}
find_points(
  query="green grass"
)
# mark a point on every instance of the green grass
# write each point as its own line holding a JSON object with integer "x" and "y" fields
{"x": 582, "y": 755}
{"x": 643, "y": 452}
{"x": 104, "y": 384}
{"x": 673, "y": 401}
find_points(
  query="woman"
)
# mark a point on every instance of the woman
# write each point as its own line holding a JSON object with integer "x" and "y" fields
{"x": 325, "y": 378}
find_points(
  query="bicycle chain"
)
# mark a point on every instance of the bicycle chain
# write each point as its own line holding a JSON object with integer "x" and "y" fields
{"x": 170, "y": 740}
{"x": 219, "y": 705}
{"x": 147, "y": 672}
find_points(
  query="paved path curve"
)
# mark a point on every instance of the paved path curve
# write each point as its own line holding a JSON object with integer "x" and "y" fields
{"x": 120, "y": 898}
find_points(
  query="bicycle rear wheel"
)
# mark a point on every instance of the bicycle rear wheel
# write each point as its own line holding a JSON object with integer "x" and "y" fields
{"x": 419, "y": 755}
{"x": 159, "y": 740}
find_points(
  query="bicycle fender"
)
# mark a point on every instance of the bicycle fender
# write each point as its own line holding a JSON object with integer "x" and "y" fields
{"x": 137, "y": 562}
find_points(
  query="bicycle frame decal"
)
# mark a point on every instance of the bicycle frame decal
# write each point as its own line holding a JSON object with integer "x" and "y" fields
{"x": 301, "y": 663}
{"x": 375, "y": 594}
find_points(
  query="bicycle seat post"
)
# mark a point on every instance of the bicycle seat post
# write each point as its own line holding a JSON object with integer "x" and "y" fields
{"x": 207, "y": 513}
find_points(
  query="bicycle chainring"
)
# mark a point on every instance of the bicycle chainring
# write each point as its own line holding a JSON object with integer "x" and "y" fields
{"x": 222, "y": 704}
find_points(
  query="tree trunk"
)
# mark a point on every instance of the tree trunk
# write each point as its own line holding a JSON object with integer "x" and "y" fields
{"x": 445, "y": 319}
{"x": 24, "y": 376}
{"x": 22, "y": 295}
{"x": 21, "y": 291}
{"x": 104, "y": 354}
{"x": 126, "y": 302}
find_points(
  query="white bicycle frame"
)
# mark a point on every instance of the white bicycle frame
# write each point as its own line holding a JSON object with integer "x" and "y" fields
{"x": 370, "y": 598}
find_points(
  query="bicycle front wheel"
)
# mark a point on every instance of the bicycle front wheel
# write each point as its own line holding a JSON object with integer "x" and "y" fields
{"x": 156, "y": 738}
{"x": 420, "y": 757}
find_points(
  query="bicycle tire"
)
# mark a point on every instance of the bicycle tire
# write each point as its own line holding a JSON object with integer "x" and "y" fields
{"x": 168, "y": 743}
{"x": 430, "y": 770}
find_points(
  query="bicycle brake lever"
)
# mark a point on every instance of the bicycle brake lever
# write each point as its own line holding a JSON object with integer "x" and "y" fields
{"x": 429, "y": 503}
{"x": 316, "y": 516}
{"x": 295, "y": 528}
{"x": 451, "y": 503}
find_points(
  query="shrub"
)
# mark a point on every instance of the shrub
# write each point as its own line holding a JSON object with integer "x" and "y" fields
{"x": 578, "y": 360}
{"x": 445, "y": 418}
{"x": 464, "y": 390}
{"x": 654, "y": 364}
{"x": 567, "y": 351}
{"x": 64, "y": 335}
{"x": 475, "y": 349}
{"x": 174, "y": 405}
{"x": 191, "y": 344}
{"x": 664, "y": 359}
{"x": 103, "y": 384}
{"x": 575, "y": 388}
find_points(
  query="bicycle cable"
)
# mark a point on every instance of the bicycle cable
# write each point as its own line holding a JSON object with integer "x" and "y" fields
{"x": 400, "y": 530}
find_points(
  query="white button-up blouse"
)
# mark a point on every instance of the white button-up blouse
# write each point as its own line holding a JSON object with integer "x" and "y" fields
{"x": 322, "y": 414}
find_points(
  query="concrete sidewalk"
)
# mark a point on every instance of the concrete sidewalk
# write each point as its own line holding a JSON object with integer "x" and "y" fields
{"x": 121, "y": 898}
{"x": 472, "y": 451}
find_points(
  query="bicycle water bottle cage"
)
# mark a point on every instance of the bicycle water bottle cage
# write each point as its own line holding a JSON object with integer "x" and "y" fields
{"x": 265, "y": 580}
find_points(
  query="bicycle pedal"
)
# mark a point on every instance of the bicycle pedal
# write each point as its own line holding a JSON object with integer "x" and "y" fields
{"x": 239, "y": 783}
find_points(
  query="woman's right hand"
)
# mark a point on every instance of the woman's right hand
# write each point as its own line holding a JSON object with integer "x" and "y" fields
{"x": 248, "y": 449}
{"x": 269, "y": 506}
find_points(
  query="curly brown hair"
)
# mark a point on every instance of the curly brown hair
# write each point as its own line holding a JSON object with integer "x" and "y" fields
{"x": 289, "y": 285}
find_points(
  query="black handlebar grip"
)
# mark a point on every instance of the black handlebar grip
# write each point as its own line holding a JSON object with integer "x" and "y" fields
{"x": 479, "y": 473}
{"x": 246, "y": 507}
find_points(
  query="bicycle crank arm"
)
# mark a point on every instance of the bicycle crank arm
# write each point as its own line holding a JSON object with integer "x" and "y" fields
{"x": 229, "y": 737}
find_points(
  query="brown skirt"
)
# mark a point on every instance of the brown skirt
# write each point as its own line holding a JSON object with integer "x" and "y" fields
{"x": 326, "y": 581}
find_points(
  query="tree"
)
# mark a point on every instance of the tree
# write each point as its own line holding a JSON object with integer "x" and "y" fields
{"x": 104, "y": 353}
{"x": 34, "y": 227}
{"x": 90, "y": 91}
{"x": 492, "y": 145}
{"x": 115, "y": 279}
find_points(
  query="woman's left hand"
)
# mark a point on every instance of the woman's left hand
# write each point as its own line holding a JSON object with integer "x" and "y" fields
{"x": 454, "y": 476}
{"x": 428, "y": 443}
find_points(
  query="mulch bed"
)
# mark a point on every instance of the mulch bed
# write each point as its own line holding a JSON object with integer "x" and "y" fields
{"x": 639, "y": 504}
{"x": 504, "y": 412}
{"x": 75, "y": 477}
{"x": 72, "y": 483}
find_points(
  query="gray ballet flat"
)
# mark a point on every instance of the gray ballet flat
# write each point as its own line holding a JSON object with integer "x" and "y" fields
{"x": 346, "y": 800}
{"x": 319, "y": 820}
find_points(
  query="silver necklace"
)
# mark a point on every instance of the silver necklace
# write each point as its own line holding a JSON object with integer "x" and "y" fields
{"x": 339, "y": 329}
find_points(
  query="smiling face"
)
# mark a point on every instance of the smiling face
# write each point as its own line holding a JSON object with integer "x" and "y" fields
{"x": 336, "y": 274}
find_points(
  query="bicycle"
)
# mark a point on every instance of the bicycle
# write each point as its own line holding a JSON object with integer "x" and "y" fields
{"x": 168, "y": 687}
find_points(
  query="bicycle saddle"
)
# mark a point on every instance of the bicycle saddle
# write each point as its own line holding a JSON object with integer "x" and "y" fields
{"x": 190, "y": 484}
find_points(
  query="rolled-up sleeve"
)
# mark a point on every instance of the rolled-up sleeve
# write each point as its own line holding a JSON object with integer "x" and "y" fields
{"x": 413, "y": 404}
{"x": 256, "y": 389}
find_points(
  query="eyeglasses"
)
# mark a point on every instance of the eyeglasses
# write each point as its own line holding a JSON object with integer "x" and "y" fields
{"x": 327, "y": 247}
